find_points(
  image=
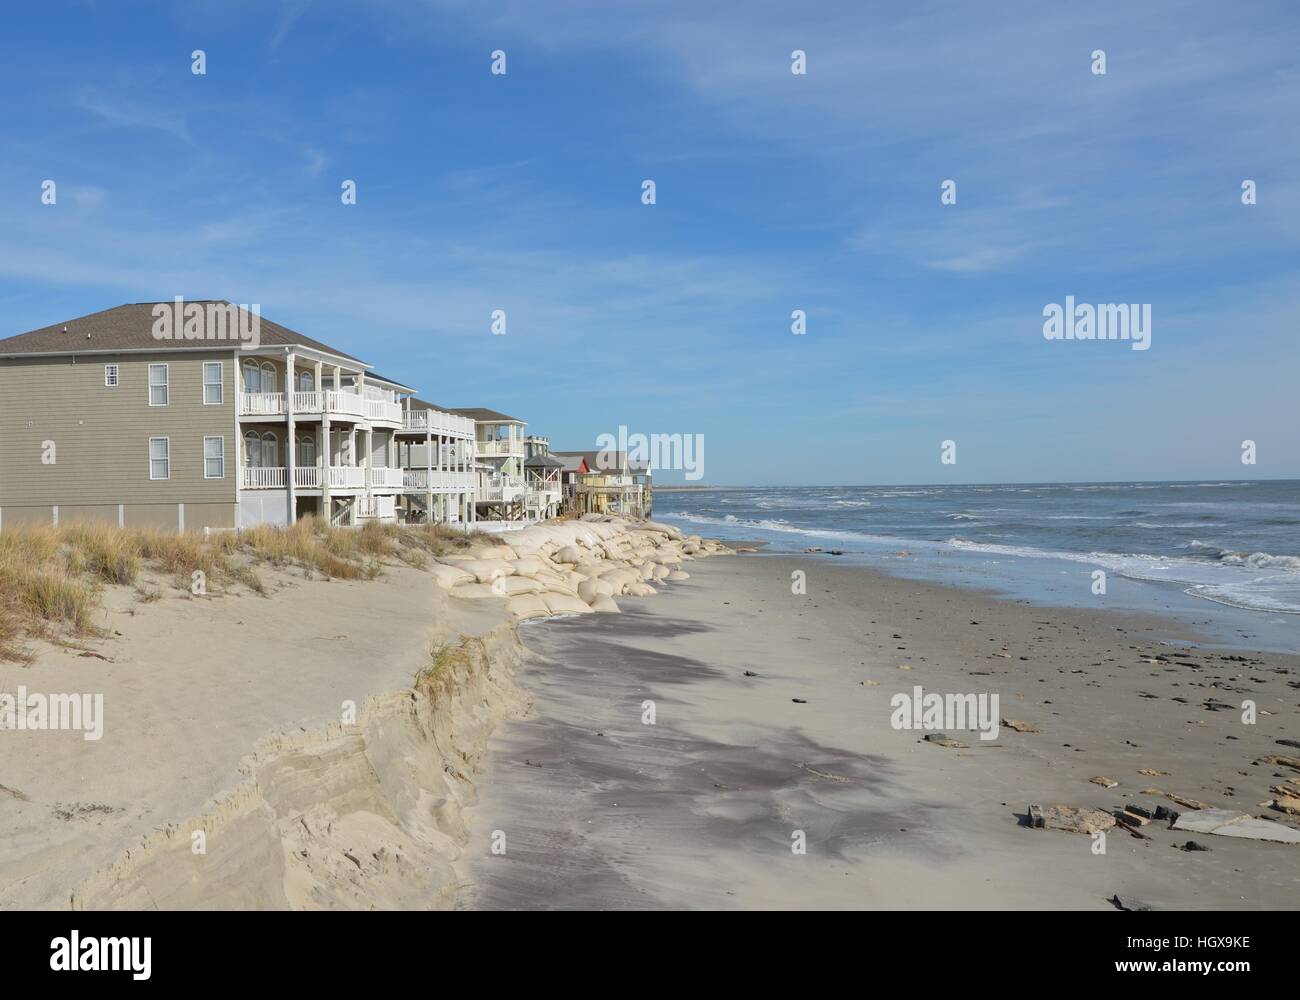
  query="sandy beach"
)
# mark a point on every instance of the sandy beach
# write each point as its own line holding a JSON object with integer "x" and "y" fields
{"x": 773, "y": 715}
{"x": 458, "y": 735}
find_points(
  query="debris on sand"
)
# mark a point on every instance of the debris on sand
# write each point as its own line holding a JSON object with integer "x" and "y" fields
{"x": 1071, "y": 819}
{"x": 1288, "y": 798}
{"x": 1152, "y": 772}
{"x": 1104, "y": 781}
{"x": 1019, "y": 726}
{"x": 1182, "y": 800}
{"x": 943, "y": 740}
{"x": 1230, "y": 823}
{"x": 1129, "y": 903}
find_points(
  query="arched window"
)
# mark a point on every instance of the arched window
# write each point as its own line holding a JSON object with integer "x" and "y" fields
{"x": 307, "y": 451}
{"x": 270, "y": 450}
{"x": 252, "y": 450}
{"x": 306, "y": 382}
{"x": 252, "y": 377}
{"x": 268, "y": 377}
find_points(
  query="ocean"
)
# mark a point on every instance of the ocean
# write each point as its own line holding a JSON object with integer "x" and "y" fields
{"x": 1225, "y": 552}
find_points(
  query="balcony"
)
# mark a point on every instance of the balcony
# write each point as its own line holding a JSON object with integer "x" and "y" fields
{"x": 500, "y": 449}
{"x": 437, "y": 422}
{"x": 309, "y": 477}
{"x": 384, "y": 479}
{"x": 383, "y": 412}
{"x": 307, "y": 404}
{"x": 504, "y": 488}
{"x": 439, "y": 481}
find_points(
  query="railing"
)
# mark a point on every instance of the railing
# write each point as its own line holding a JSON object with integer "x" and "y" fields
{"x": 494, "y": 448}
{"x": 261, "y": 404}
{"x": 378, "y": 409}
{"x": 345, "y": 402}
{"x": 421, "y": 481}
{"x": 306, "y": 402}
{"x": 273, "y": 404}
{"x": 385, "y": 478}
{"x": 345, "y": 477}
{"x": 504, "y": 488}
{"x": 263, "y": 478}
{"x": 310, "y": 477}
{"x": 438, "y": 422}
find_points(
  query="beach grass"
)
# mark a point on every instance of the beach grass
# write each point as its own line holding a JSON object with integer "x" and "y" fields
{"x": 51, "y": 578}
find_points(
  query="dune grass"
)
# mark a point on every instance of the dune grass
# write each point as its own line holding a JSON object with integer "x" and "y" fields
{"x": 51, "y": 578}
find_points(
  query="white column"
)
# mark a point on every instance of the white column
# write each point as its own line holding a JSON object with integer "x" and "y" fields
{"x": 291, "y": 447}
{"x": 428, "y": 472}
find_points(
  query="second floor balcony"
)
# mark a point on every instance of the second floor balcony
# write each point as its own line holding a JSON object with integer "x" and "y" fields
{"x": 334, "y": 402}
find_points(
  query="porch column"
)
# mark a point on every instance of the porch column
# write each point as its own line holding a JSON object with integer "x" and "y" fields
{"x": 428, "y": 469}
{"x": 291, "y": 447}
{"x": 325, "y": 460}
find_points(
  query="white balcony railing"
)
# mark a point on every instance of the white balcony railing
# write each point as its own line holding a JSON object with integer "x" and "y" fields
{"x": 273, "y": 404}
{"x": 384, "y": 479}
{"x": 261, "y": 404}
{"x": 439, "y": 481}
{"x": 310, "y": 477}
{"x": 438, "y": 422}
{"x": 384, "y": 411}
{"x": 491, "y": 449}
{"x": 505, "y": 488}
{"x": 345, "y": 477}
{"x": 263, "y": 478}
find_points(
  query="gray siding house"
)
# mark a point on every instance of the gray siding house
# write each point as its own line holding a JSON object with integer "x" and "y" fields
{"x": 106, "y": 418}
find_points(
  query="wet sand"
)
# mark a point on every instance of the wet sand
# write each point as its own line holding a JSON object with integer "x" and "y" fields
{"x": 700, "y": 809}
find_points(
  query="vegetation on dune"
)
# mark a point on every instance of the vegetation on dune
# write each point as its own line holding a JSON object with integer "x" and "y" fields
{"x": 51, "y": 578}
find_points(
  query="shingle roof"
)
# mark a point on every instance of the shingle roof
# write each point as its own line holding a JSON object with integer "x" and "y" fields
{"x": 479, "y": 413}
{"x": 572, "y": 463}
{"x": 543, "y": 461}
{"x": 607, "y": 460}
{"x": 373, "y": 376}
{"x": 129, "y": 327}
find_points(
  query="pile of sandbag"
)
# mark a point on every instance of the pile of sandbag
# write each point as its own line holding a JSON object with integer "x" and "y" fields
{"x": 572, "y": 567}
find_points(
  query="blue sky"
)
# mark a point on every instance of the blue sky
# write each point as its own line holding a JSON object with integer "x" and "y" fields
{"x": 775, "y": 192}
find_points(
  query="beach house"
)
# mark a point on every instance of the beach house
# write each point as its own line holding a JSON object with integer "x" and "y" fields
{"x": 542, "y": 477}
{"x": 505, "y": 492}
{"x": 203, "y": 414}
{"x": 605, "y": 482}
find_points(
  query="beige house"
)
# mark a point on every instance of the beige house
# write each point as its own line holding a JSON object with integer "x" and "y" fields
{"x": 505, "y": 492}
{"x": 101, "y": 418}
{"x": 606, "y": 482}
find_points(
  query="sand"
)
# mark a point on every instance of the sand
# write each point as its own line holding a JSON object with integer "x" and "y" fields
{"x": 521, "y": 773}
{"x": 700, "y": 810}
{"x": 279, "y": 752}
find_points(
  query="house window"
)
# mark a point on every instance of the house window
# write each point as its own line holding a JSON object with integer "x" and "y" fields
{"x": 268, "y": 377}
{"x": 270, "y": 450}
{"x": 160, "y": 454}
{"x": 214, "y": 457}
{"x": 158, "y": 394}
{"x": 252, "y": 378}
{"x": 110, "y": 376}
{"x": 306, "y": 382}
{"x": 307, "y": 452}
{"x": 213, "y": 389}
